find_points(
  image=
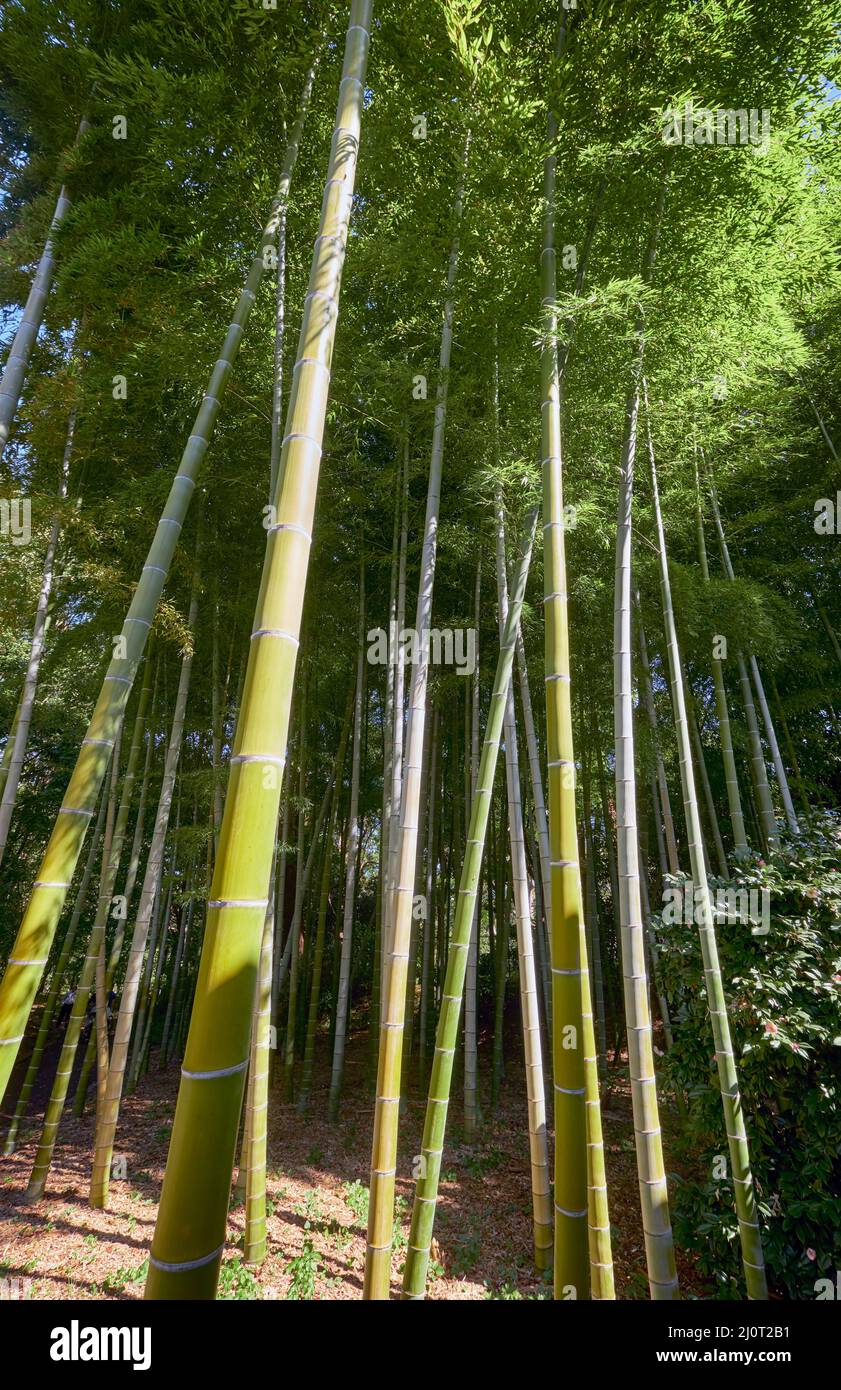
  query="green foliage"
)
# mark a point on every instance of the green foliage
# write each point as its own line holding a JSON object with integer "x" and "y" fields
{"x": 123, "y": 1276}
{"x": 356, "y": 1196}
{"x": 783, "y": 992}
{"x": 304, "y": 1269}
{"x": 237, "y": 1281}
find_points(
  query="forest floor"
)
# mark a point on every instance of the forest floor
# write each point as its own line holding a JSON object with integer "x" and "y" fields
{"x": 317, "y": 1187}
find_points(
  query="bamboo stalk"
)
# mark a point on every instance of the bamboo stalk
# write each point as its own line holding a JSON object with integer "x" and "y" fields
{"x": 18, "y": 742}
{"x": 108, "y": 1112}
{"x": 343, "y": 996}
{"x": 734, "y": 1122}
{"x": 426, "y": 1190}
{"x": 61, "y": 1081}
{"x": 59, "y": 972}
{"x": 757, "y": 759}
{"x": 321, "y": 924}
{"x": 731, "y": 777}
{"x": 386, "y": 1113}
{"x": 535, "y": 1090}
{"x": 471, "y": 1061}
{"x": 582, "y": 1232}
{"x": 662, "y": 784}
{"x": 190, "y": 1230}
{"x": 11, "y": 383}
{"x": 32, "y": 946}
{"x": 654, "y": 1201}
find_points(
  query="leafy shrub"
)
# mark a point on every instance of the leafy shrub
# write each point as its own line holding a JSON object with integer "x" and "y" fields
{"x": 783, "y": 992}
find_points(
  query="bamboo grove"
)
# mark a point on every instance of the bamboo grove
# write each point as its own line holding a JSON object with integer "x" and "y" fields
{"x": 420, "y": 636}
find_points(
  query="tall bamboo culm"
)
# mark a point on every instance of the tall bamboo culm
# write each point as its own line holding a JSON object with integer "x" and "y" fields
{"x": 435, "y": 1122}
{"x": 32, "y": 946}
{"x": 343, "y": 997}
{"x": 17, "y": 361}
{"x": 108, "y": 1110}
{"x": 574, "y": 1126}
{"x": 395, "y": 971}
{"x": 190, "y": 1230}
{"x": 654, "y": 1200}
{"x": 731, "y": 776}
{"x": 61, "y": 1081}
{"x": 59, "y": 972}
{"x": 734, "y": 1120}
{"x": 533, "y": 1052}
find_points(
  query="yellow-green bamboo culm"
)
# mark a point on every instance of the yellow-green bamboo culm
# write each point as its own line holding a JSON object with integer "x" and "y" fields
{"x": 190, "y": 1231}
{"x": 109, "y": 882}
{"x": 728, "y": 1080}
{"x": 48, "y": 1013}
{"x": 61, "y": 1081}
{"x": 396, "y": 931}
{"x": 530, "y": 1013}
{"x": 426, "y": 1190}
{"x": 574, "y": 1160}
{"x": 108, "y": 1106}
{"x": 32, "y": 946}
{"x": 255, "y": 1148}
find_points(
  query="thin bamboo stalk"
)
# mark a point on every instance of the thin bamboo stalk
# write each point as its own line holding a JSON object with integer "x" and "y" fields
{"x": 771, "y": 736}
{"x": 255, "y": 1239}
{"x": 471, "y": 1060}
{"x": 321, "y": 924}
{"x": 651, "y": 712}
{"x": 654, "y": 1201}
{"x": 734, "y": 1122}
{"x": 426, "y": 1190}
{"x": 386, "y": 1113}
{"x": 757, "y": 759}
{"x": 535, "y": 1089}
{"x": 343, "y": 996}
{"x": 11, "y": 383}
{"x": 731, "y": 777}
{"x": 36, "y": 652}
{"x": 108, "y": 1112}
{"x": 61, "y": 1081}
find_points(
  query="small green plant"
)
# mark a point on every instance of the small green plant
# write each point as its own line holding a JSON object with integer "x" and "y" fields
{"x": 236, "y": 1281}
{"x": 304, "y": 1269}
{"x": 356, "y": 1197}
{"x": 310, "y": 1209}
{"x": 120, "y": 1277}
{"x": 507, "y": 1292}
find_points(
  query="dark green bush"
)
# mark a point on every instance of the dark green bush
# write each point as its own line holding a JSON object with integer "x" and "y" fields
{"x": 783, "y": 991}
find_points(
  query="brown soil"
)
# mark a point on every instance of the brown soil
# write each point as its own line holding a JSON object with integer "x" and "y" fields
{"x": 483, "y": 1225}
